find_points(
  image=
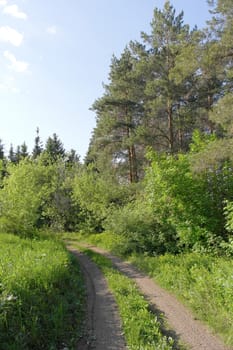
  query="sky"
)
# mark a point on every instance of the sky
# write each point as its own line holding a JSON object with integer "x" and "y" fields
{"x": 55, "y": 56}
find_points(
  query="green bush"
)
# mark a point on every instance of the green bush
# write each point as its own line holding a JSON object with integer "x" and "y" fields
{"x": 141, "y": 230}
{"x": 37, "y": 196}
{"x": 23, "y": 197}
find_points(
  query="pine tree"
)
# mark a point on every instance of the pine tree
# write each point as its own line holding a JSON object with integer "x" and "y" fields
{"x": 38, "y": 147}
{"x": 23, "y": 150}
{"x": 1, "y": 150}
{"x": 119, "y": 115}
{"x": 169, "y": 92}
{"x": 12, "y": 155}
{"x": 18, "y": 154}
{"x": 54, "y": 148}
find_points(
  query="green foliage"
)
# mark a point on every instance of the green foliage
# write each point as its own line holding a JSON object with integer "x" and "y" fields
{"x": 60, "y": 212}
{"x": 229, "y": 216}
{"x": 23, "y": 196}
{"x": 35, "y": 195}
{"x": 177, "y": 199}
{"x": 200, "y": 141}
{"x": 107, "y": 240}
{"x": 41, "y": 295}
{"x": 180, "y": 207}
{"x": 140, "y": 230}
{"x": 96, "y": 195}
{"x": 119, "y": 116}
{"x": 54, "y": 149}
{"x": 2, "y": 171}
{"x": 192, "y": 203}
{"x": 1, "y": 150}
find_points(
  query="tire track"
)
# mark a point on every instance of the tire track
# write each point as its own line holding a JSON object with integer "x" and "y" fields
{"x": 185, "y": 327}
{"x": 103, "y": 326}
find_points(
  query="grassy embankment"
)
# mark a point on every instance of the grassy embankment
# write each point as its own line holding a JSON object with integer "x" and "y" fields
{"x": 201, "y": 281}
{"x": 41, "y": 295}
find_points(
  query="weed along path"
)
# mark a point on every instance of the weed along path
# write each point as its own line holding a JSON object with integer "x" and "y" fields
{"x": 186, "y": 328}
{"x": 103, "y": 328}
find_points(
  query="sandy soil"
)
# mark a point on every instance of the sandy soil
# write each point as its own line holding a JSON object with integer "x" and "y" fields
{"x": 102, "y": 308}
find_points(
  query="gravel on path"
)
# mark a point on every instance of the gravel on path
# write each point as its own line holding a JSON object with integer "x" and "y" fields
{"x": 186, "y": 328}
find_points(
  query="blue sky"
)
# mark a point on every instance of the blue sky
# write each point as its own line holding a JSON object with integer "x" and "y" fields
{"x": 55, "y": 55}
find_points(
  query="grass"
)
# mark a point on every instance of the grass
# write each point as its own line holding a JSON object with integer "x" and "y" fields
{"x": 140, "y": 326}
{"x": 41, "y": 295}
{"x": 202, "y": 282}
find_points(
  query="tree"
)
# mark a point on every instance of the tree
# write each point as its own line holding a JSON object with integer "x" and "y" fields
{"x": 24, "y": 151}
{"x": 2, "y": 163}
{"x": 17, "y": 154}
{"x": 38, "y": 147}
{"x": 12, "y": 155}
{"x": 29, "y": 186}
{"x": 54, "y": 149}
{"x": 169, "y": 92}
{"x": 1, "y": 150}
{"x": 119, "y": 115}
{"x": 72, "y": 158}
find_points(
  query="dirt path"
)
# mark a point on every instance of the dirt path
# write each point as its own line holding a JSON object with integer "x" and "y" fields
{"x": 103, "y": 327}
{"x": 187, "y": 329}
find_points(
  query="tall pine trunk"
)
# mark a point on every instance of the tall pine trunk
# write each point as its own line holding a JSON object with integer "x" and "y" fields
{"x": 170, "y": 127}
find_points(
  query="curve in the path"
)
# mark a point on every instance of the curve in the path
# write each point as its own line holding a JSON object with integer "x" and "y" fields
{"x": 103, "y": 327}
{"x": 189, "y": 330}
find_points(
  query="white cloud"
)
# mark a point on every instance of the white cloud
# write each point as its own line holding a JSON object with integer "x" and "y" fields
{"x": 17, "y": 66}
{"x": 7, "y": 85}
{"x": 8, "y": 34}
{"x": 3, "y": 2}
{"x": 52, "y": 30}
{"x": 14, "y": 11}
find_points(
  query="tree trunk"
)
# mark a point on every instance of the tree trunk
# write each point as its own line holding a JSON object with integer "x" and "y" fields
{"x": 170, "y": 127}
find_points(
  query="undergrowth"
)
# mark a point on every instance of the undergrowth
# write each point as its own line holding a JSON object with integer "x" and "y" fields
{"x": 41, "y": 295}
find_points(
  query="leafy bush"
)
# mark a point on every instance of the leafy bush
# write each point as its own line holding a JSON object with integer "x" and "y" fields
{"x": 96, "y": 196}
{"x": 23, "y": 197}
{"x": 36, "y": 196}
{"x": 192, "y": 203}
{"x": 141, "y": 230}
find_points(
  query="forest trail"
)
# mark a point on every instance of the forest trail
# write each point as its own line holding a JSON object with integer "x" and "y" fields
{"x": 103, "y": 327}
{"x": 186, "y": 328}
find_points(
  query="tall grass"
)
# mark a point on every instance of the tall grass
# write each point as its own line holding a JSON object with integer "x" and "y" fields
{"x": 41, "y": 295}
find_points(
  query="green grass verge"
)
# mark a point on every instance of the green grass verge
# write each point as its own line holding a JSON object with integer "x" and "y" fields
{"x": 203, "y": 282}
{"x": 141, "y": 327}
{"x": 41, "y": 295}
